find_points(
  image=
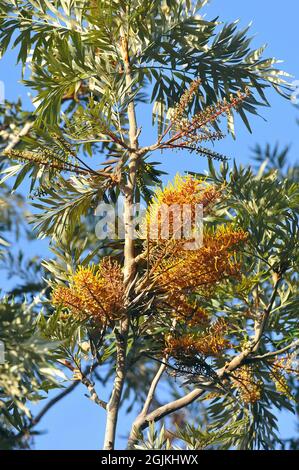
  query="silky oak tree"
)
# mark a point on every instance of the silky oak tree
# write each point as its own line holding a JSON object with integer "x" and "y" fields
{"x": 214, "y": 314}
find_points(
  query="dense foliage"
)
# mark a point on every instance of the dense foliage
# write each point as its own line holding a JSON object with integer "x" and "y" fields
{"x": 215, "y": 322}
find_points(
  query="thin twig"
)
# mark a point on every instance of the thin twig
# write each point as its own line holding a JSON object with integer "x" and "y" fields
{"x": 36, "y": 419}
{"x": 88, "y": 384}
{"x": 271, "y": 354}
{"x": 152, "y": 389}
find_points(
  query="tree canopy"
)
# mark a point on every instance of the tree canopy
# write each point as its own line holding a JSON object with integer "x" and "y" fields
{"x": 214, "y": 318}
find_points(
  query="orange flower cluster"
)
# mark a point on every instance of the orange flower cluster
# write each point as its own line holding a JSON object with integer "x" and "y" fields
{"x": 96, "y": 292}
{"x": 249, "y": 388}
{"x": 281, "y": 383}
{"x": 180, "y": 274}
{"x": 188, "y": 312}
{"x": 165, "y": 214}
{"x": 187, "y": 190}
{"x": 190, "y": 270}
{"x": 280, "y": 369}
{"x": 212, "y": 342}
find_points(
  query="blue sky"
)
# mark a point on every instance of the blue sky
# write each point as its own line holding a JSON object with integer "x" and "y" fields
{"x": 76, "y": 423}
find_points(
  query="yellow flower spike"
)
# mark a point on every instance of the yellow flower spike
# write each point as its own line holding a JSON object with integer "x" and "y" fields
{"x": 212, "y": 342}
{"x": 188, "y": 312}
{"x": 183, "y": 191}
{"x": 94, "y": 291}
{"x": 250, "y": 390}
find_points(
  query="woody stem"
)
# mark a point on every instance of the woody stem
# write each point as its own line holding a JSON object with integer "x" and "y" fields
{"x": 129, "y": 258}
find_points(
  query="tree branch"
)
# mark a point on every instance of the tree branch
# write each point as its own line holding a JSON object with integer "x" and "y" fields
{"x": 129, "y": 256}
{"x": 82, "y": 377}
{"x": 142, "y": 422}
{"x": 135, "y": 428}
{"x": 36, "y": 419}
{"x": 272, "y": 354}
{"x": 152, "y": 389}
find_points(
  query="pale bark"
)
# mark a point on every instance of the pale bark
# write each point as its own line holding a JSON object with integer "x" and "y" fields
{"x": 129, "y": 260}
{"x": 120, "y": 374}
{"x": 142, "y": 416}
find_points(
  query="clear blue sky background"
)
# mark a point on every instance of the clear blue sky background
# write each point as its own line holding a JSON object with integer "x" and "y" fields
{"x": 76, "y": 423}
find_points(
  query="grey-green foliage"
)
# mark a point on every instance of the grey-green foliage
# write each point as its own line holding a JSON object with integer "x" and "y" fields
{"x": 15, "y": 213}
{"x": 154, "y": 439}
{"x": 12, "y": 210}
{"x": 191, "y": 437}
{"x": 27, "y": 372}
{"x": 274, "y": 157}
{"x": 65, "y": 204}
{"x": 12, "y": 120}
{"x": 70, "y": 53}
{"x": 264, "y": 203}
{"x": 12, "y": 206}
{"x": 74, "y": 43}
